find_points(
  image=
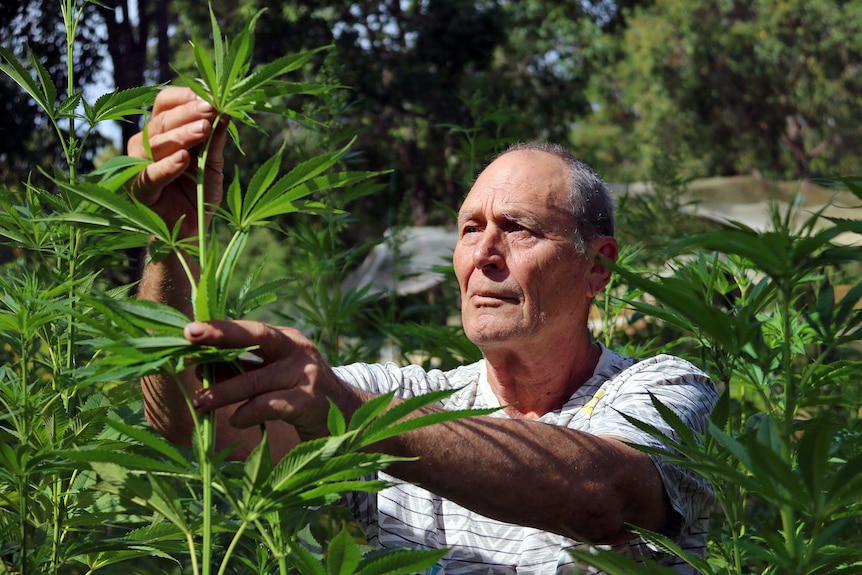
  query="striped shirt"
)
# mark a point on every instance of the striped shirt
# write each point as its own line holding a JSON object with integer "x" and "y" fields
{"x": 407, "y": 516}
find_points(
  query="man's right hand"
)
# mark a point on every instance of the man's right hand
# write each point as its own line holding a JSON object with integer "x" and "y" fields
{"x": 181, "y": 121}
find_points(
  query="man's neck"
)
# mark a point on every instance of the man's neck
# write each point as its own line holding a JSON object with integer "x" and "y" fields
{"x": 531, "y": 386}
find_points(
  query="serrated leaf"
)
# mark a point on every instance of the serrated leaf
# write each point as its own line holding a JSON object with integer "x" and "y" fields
{"x": 119, "y": 170}
{"x": 48, "y": 87}
{"x": 342, "y": 555}
{"x": 154, "y": 442}
{"x": 260, "y": 182}
{"x": 21, "y": 76}
{"x": 335, "y": 422}
{"x": 227, "y": 266}
{"x": 400, "y": 561}
{"x": 370, "y": 409}
{"x": 239, "y": 54}
{"x": 395, "y": 420}
{"x": 135, "y": 215}
{"x": 256, "y": 470}
{"x": 281, "y": 198}
{"x": 613, "y": 563}
{"x": 119, "y": 104}
{"x": 380, "y": 433}
{"x": 306, "y": 562}
{"x": 125, "y": 460}
{"x": 67, "y": 107}
{"x": 151, "y": 314}
{"x": 267, "y": 72}
{"x": 205, "y": 67}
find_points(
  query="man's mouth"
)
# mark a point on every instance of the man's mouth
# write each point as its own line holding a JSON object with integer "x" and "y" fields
{"x": 490, "y": 298}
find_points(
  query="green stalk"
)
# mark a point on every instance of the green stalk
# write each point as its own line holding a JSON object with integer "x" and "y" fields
{"x": 275, "y": 549}
{"x": 23, "y": 479}
{"x": 207, "y": 435}
{"x": 71, "y": 16}
{"x": 230, "y": 548}
{"x": 190, "y": 542}
{"x": 787, "y": 512}
{"x": 207, "y": 424}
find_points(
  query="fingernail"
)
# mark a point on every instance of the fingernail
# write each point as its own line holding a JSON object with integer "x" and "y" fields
{"x": 197, "y": 401}
{"x": 198, "y": 127}
{"x": 204, "y": 107}
{"x": 196, "y": 329}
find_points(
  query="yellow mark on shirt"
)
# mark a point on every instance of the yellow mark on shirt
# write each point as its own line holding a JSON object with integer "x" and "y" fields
{"x": 588, "y": 408}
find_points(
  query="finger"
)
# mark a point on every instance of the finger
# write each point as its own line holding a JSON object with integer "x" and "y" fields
{"x": 272, "y": 343}
{"x": 183, "y": 128}
{"x": 263, "y": 408}
{"x": 147, "y": 186}
{"x": 246, "y": 387}
{"x": 176, "y": 123}
{"x": 172, "y": 97}
{"x": 223, "y": 371}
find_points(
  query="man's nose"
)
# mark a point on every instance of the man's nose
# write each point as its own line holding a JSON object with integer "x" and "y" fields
{"x": 488, "y": 253}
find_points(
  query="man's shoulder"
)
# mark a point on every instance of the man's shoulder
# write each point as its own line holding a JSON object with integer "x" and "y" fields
{"x": 615, "y": 364}
{"x": 659, "y": 374}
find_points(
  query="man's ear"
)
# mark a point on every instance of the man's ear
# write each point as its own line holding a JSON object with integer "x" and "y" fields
{"x": 602, "y": 250}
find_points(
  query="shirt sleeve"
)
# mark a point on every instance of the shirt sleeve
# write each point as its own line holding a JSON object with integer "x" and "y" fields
{"x": 413, "y": 380}
{"x": 687, "y": 392}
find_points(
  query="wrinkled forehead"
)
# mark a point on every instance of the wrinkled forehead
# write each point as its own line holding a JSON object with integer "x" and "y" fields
{"x": 525, "y": 180}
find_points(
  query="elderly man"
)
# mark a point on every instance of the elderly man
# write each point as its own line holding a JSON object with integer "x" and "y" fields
{"x": 507, "y": 493}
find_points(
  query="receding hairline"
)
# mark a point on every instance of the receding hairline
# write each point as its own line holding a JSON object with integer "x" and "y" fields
{"x": 591, "y": 202}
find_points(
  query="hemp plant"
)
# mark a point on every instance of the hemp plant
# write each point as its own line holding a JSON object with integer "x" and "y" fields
{"x": 783, "y": 450}
{"x": 94, "y": 488}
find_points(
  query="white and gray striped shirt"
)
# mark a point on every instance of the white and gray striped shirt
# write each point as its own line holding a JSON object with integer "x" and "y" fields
{"x": 408, "y": 516}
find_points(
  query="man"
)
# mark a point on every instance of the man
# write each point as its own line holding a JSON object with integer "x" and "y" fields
{"x": 507, "y": 493}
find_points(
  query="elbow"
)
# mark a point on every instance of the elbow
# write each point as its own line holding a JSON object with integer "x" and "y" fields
{"x": 608, "y": 517}
{"x": 604, "y": 525}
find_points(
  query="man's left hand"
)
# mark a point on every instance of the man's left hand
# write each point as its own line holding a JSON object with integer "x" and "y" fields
{"x": 293, "y": 382}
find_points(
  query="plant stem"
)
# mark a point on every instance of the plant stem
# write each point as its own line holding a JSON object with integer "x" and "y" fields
{"x": 274, "y": 549}
{"x": 230, "y": 548}
{"x": 207, "y": 432}
{"x": 207, "y": 424}
{"x": 788, "y": 513}
{"x": 23, "y": 479}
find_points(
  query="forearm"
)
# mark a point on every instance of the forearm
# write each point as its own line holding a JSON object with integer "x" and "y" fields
{"x": 534, "y": 474}
{"x": 165, "y": 404}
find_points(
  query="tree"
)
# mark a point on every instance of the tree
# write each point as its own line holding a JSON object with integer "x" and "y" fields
{"x": 37, "y": 28}
{"x": 414, "y": 70}
{"x": 766, "y": 86}
{"x": 130, "y": 31}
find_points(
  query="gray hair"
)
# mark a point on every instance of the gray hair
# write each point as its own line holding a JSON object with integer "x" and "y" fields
{"x": 589, "y": 196}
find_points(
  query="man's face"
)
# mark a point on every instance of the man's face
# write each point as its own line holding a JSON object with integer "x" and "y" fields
{"x": 521, "y": 274}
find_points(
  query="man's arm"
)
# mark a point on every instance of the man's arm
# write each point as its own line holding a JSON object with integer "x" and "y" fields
{"x": 539, "y": 475}
{"x": 523, "y": 472}
{"x": 181, "y": 121}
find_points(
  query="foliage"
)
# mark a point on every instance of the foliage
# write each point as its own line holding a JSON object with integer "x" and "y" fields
{"x": 84, "y": 485}
{"x": 27, "y": 31}
{"x": 415, "y": 68}
{"x": 767, "y": 86}
{"x": 783, "y": 450}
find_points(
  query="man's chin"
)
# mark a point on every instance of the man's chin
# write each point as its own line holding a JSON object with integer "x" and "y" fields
{"x": 487, "y": 338}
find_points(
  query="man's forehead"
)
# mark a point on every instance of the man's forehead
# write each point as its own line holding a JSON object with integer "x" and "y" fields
{"x": 517, "y": 206}
{"x": 521, "y": 181}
